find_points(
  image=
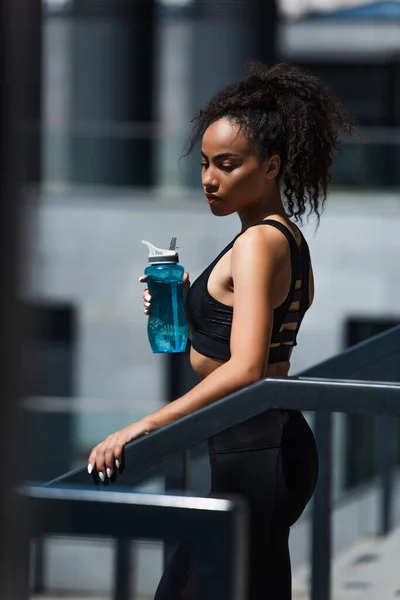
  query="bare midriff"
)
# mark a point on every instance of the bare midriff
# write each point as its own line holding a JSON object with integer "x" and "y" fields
{"x": 203, "y": 366}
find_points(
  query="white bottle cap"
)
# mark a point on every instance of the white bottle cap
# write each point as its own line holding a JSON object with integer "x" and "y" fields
{"x": 159, "y": 255}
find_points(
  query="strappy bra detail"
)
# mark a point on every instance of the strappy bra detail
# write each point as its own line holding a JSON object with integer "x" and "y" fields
{"x": 211, "y": 320}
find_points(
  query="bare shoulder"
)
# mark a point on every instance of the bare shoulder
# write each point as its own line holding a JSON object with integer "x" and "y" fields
{"x": 262, "y": 241}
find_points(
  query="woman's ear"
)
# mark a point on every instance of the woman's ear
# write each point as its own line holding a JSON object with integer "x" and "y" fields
{"x": 272, "y": 166}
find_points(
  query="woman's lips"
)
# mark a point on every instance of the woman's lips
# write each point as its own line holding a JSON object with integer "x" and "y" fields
{"x": 212, "y": 199}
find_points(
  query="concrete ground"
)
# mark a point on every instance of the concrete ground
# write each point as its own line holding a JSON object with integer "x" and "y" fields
{"x": 369, "y": 570}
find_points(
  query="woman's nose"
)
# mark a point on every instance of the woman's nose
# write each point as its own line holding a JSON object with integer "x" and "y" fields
{"x": 210, "y": 182}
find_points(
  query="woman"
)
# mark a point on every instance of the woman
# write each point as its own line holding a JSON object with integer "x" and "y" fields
{"x": 266, "y": 149}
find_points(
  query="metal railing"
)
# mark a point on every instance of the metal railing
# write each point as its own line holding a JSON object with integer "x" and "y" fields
{"x": 312, "y": 390}
{"x": 216, "y": 529}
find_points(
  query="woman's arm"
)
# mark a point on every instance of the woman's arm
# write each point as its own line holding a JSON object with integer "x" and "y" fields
{"x": 256, "y": 266}
{"x": 259, "y": 271}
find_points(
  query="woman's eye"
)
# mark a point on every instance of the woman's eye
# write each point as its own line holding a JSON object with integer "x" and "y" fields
{"x": 227, "y": 168}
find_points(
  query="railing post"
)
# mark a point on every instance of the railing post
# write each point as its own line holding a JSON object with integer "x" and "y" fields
{"x": 386, "y": 446}
{"x": 322, "y": 505}
{"x": 123, "y": 577}
{"x": 177, "y": 477}
{"x": 38, "y": 567}
{"x": 177, "y": 472}
{"x": 221, "y": 556}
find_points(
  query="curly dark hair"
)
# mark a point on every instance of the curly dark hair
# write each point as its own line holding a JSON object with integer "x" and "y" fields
{"x": 287, "y": 111}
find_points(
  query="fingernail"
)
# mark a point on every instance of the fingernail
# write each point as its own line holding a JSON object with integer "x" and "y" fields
{"x": 109, "y": 473}
{"x": 117, "y": 464}
{"x": 101, "y": 476}
{"x": 146, "y": 312}
{"x": 147, "y": 297}
{"x": 147, "y": 304}
{"x": 141, "y": 278}
{"x": 89, "y": 469}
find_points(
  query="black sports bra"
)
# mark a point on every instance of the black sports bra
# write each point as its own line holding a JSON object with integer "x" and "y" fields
{"x": 211, "y": 320}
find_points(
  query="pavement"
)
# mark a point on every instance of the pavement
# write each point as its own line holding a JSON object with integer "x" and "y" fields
{"x": 369, "y": 570}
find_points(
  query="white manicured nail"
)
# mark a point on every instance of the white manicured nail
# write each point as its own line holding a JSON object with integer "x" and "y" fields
{"x": 109, "y": 473}
{"x": 147, "y": 304}
{"x": 117, "y": 464}
{"x": 147, "y": 297}
{"x": 89, "y": 469}
{"x": 101, "y": 476}
{"x": 146, "y": 312}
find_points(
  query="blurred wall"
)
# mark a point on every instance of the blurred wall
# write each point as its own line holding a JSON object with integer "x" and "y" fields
{"x": 87, "y": 251}
{"x": 86, "y": 248}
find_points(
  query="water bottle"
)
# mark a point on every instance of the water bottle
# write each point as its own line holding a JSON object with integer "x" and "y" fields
{"x": 167, "y": 325}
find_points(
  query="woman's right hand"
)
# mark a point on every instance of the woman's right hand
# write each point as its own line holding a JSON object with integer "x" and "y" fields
{"x": 146, "y": 294}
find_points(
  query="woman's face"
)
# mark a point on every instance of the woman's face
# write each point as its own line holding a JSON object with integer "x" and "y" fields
{"x": 233, "y": 176}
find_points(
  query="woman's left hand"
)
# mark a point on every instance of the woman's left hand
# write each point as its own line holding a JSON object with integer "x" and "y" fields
{"x": 107, "y": 456}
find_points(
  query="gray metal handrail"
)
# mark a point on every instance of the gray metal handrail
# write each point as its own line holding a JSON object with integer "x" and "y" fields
{"x": 377, "y": 357}
{"x": 313, "y": 394}
{"x": 216, "y": 528}
{"x": 308, "y": 394}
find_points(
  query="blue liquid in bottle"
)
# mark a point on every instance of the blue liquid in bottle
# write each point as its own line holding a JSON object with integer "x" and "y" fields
{"x": 167, "y": 325}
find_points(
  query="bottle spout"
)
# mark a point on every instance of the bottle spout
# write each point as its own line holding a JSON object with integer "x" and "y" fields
{"x": 153, "y": 250}
{"x": 162, "y": 254}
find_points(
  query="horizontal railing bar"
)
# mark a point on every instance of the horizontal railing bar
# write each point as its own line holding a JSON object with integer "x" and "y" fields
{"x": 386, "y": 369}
{"x": 217, "y": 528}
{"x": 116, "y": 496}
{"x": 308, "y": 394}
{"x": 116, "y": 513}
{"x": 360, "y": 356}
{"x": 357, "y": 358}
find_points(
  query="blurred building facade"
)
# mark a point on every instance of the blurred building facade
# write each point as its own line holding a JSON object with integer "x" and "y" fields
{"x": 99, "y": 199}
{"x": 335, "y": 8}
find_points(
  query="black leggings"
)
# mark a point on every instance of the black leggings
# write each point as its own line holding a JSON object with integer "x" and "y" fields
{"x": 272, "y": 461}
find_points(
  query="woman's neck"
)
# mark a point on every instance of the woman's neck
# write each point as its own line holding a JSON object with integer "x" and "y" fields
{"x": 271, "y": 205}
